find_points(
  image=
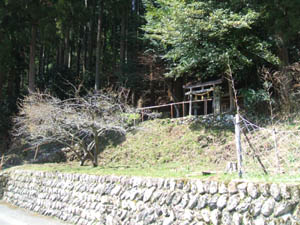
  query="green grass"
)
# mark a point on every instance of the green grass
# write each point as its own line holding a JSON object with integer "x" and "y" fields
{"x": 168, "y": 170}
{"x": 259, "y": 177}
{"x": 160, "y": 142}
{"x": 184, "y": 149}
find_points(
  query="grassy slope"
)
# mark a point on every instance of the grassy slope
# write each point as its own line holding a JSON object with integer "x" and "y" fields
{"x": 178, "y": 143}
{"x": 177, "y": 148}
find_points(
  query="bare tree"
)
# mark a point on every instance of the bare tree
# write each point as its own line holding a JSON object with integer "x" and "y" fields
{"x": 79, "y": 121}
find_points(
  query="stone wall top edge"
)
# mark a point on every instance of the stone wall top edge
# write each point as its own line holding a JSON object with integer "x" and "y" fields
{"x": 132, "y": 180}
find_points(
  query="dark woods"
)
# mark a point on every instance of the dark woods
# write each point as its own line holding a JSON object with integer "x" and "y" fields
{"x": 143, "y": 49}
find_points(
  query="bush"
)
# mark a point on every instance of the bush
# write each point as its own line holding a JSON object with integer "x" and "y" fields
{"x": 256, "y": 101}
{"x": 80, "y": 121}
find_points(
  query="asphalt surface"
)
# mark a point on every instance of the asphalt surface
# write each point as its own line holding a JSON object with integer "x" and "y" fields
{"x": 11, "y": 215}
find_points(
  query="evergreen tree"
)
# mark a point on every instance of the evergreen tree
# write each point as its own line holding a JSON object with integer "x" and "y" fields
{"x": 200, "y": 38}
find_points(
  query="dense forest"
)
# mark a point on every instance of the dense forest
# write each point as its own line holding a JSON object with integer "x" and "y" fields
{"x": 145, "y": 49}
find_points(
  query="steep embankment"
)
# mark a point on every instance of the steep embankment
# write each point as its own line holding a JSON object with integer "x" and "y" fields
{"x": 178, "y": 142}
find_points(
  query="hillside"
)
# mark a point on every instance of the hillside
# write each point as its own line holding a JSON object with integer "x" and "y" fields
{"x": 179, "y": 143}
{"x": 191, "y": 146}
{"x": 187, "y": 147}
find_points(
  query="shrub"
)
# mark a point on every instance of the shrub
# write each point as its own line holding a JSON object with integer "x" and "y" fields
{"x": 72, "y": 122}
{"x": 255, "y": 100}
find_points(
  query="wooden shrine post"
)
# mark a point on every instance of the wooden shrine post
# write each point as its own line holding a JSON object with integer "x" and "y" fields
{"x": 190, "y": 105}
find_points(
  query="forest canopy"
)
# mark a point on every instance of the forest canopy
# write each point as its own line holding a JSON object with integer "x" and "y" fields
{"x": 199, "y": 38}
{"x": 146, "y": 48}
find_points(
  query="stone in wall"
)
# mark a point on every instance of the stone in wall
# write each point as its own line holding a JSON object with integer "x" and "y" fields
{"x": 89, "y": 199}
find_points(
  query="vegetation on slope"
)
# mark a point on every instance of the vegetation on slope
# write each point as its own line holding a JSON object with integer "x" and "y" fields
{"x": 181, "y": 142}
{"x": 187, "y": 147}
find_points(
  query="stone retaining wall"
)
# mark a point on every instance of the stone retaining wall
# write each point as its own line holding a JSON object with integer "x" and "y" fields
{"x": 3, "y": 183}
{"x": 112, "y": 200}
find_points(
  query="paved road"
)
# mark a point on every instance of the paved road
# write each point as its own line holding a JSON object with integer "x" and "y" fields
{"x": 10, "y": 215}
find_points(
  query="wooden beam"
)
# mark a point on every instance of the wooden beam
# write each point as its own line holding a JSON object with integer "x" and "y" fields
{"x": 203, "y": 91}
{"x": 296, "y": 85}
{"x": 203, "y": 84}
{"x": 165, "y": 105}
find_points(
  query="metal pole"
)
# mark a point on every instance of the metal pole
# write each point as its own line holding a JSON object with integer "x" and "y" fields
{"x": 238, "y": 145}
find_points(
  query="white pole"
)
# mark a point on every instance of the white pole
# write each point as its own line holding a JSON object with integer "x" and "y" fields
{"x": 276, "y": 150}
{"x": 238, "y": 144}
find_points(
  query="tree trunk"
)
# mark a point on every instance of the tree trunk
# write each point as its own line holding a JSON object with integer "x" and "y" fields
{"x": 60, "y": 54}
{"x": 79, "y": 47}
{"x": 70, "y": 57}
{"x": 2, "y": 81}
{"x": 90, "y": 36}
{"x": 2, "y": 73}
{"x": 96, "y": 148}
{"x": 11, "y": 83}
{"x": 85, "y": 49}
{"x": 85, "y": 42}
{"x": 152, "y": 96}
{"x": 104, "y": 40}
{"x": 44, "y": 60}
{"x": 127, "y": 13}
{"x": 41, "y": 60}
{"x": 99, "y": 34}
{"x": 66, "y": 46}
{"x": 286, "y": 84}
{"x": 32, "y": 58}
{"x": 18, "y": 85}
{"x": 133, "y": 44}
{"x": 123, "y": 38}
{"x": 47, "y": 58}
{"x": 114, "y": 45}
{"x": 57, "y": 55}
{"x": 175, "y": 93}
{"x": 231, "y": 98}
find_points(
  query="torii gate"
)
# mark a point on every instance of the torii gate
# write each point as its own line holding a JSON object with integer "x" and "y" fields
{"x": 204, "y": 90}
